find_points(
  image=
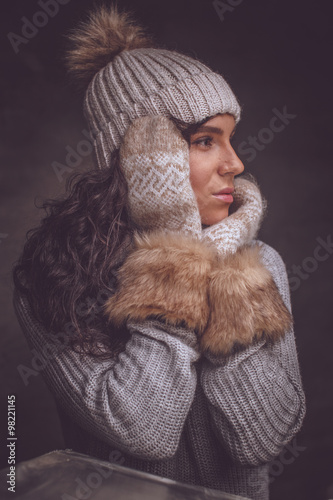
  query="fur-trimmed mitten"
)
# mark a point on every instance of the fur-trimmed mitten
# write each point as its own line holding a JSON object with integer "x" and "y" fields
{"x": 244, "y": 301}
{"x": 205, "y": 280}
{"x": 166, "y": 277}
{"x": 167, "y": 274}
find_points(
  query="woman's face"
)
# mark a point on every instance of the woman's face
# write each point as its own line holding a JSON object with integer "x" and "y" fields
{"x": 213, "y": 166}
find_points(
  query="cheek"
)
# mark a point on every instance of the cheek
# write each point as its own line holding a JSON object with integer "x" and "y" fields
{"x": 199, "y": 175}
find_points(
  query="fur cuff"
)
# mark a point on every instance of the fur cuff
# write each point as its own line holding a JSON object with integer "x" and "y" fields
{"x": 245, "y": 304}
{"x": 230, "y": 301}
{"x": 166, "y": 276}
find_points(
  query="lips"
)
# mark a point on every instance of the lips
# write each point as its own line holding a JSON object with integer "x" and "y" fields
{"x": 228, "y": 190}
{"x": 225, "y": 195}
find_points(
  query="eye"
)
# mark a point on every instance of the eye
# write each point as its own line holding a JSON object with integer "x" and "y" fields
{"x": 204, "y": 142}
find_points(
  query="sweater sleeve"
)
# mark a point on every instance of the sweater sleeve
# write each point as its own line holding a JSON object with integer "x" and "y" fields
{"x": 256, "y": 399}
{"x": 138, "y": 403}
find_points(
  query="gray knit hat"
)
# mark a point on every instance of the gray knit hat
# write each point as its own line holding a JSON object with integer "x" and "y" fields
{"x": 129, "y": 79}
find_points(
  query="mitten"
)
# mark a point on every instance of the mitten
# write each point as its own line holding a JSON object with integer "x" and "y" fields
{"x": 241, "y": 227}
{"x": 154, "y": 159}
{"x": 167, "y": 273}
{"x": 245, "y": 304}
{"x": 167, "y": 277}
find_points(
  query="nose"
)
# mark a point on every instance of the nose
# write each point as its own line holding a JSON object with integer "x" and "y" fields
{"x": 229, "y": 162}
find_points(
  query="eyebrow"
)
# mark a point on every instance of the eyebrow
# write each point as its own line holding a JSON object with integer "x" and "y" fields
{"x": 212, "y": 130}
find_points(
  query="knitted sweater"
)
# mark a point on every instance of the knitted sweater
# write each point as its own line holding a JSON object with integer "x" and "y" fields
{"x": 208, "y": 420}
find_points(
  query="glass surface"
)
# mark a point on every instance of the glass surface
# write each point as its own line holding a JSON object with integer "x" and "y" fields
{"x": 67, "y": 475}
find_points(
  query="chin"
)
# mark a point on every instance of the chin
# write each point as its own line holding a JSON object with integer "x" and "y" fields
{"x": 214, "y": 218}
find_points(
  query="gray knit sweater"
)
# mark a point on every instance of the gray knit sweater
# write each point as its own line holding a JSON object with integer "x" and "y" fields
{"x": 169, "y": 411}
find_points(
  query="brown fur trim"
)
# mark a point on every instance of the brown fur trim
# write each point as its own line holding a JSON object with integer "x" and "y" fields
{"x": 166, "y": 276}
{"x": 96, "y": 42}
{"x": 244, "y": 304}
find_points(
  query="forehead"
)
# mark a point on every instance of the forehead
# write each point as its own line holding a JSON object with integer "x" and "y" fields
{"x": 216, "y": 125}
{"x": 222, "y": 120}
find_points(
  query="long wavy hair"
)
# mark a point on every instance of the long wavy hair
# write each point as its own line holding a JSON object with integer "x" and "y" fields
{"x": 68, "y": 265}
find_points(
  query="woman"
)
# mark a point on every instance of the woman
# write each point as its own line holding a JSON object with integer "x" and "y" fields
{"x": 176, "y": 347}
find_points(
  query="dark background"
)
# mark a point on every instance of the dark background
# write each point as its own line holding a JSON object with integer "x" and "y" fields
{"x": 275, "y": 54}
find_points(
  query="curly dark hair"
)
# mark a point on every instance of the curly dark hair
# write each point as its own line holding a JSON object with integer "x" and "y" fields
{"x": 68, "y": 264}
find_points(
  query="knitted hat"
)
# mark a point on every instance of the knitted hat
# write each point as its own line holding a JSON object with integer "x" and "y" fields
{"x": 129, "y": 79}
